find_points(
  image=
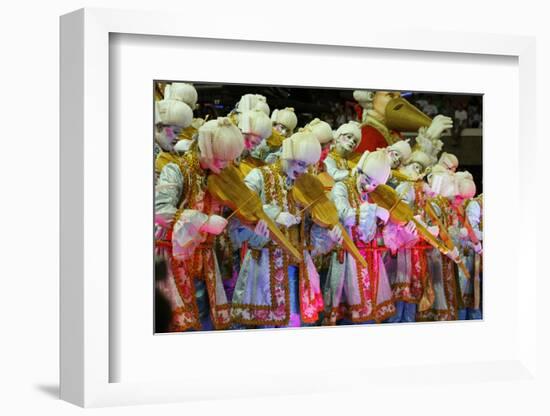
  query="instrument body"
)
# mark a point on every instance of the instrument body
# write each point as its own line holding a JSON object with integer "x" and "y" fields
{"x": 401, "y": 213}
{"x": 445, "y": 236}
{"x": 229, "y": 188}
{"x": 309, "y": 191}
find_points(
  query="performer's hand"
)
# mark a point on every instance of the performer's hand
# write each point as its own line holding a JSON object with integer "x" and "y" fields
{"x": 411, "y": 228}
{"x": 383, "y": 214}
{"x": 463, "y": 233}
{"x": 286, "y": 219}
{"x": 164, "y": 220}
{"x": 440, "y": 123}
{"x": 261, "y": 229}
{"x": 214, "y": 225}
{"x": 478, "y": 248}
{"x": 434, "y": 230}
{"x": 454, "y": 255}
{"x": 335, "y": 234}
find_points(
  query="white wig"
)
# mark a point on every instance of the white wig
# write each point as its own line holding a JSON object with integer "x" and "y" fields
{"x": 173, "y": 113}
{"x": 376, "y": 164}
{"x": 448, "y": 160}
{"x": 181, "y": 91}
{"x": 320, "y": 129}
{"x": 220, "y": 139}
{"x": 352, "y": 127}
{"x": 301, "y": 146}
{"x": 363, "y": 96}
{"x": 466, "y": 184}
{"x": 418, "y": 156}
{"x": 253, "y": 102}
{"x": 255, "y": 122}
{"x": 286, "y": 117}
{"x": 403, "y": 148}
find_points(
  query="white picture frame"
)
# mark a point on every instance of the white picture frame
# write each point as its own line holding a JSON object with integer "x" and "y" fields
{"x": 86, "y": 355}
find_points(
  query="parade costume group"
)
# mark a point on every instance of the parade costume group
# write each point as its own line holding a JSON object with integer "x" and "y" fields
{"x": 265, "y": 224}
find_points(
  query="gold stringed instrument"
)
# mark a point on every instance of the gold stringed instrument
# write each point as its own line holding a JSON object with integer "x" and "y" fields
{"x": 229, "y": 188}
{"x": 326, "y": 180}
{"x": 401, "y": 213}
{"x": 309, "y": 191}
{"x": 445, "y": 236}
{"x": 401, "y": 176}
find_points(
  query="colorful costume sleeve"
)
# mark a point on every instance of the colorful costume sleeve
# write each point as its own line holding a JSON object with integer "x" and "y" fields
{"x": 333, "y": 171}
{"x": 255, "y": 181}
{"x": 396, "y": 236}
{"x": 186, "y": 233}
{"x": 167, "y": 194}
{"x": 320, "y": 241}
{"x": 239, "y": 234}
{"x": 339, "y": 196}
{"x": 406, "y": 191}
{"x": 367, "y": 221}
{"x": 473, "y": 213}
{"x": 348, "y": 215}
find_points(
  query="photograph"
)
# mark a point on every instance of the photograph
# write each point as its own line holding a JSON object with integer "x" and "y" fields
{"x": 282, "y": 206}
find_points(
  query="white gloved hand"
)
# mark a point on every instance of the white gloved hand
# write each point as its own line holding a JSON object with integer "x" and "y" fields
{"x": 437, "y": 181}
{"x": 286, "y": 219}
{"x": 166, "y": 218}
{"x": 434, "y": 230}
{"x": 478, "y": 248}
{"x": 463, "y": 233}
{"x": 261, "y": 229}
{"x": 335, "y": 235}
{"x": 383, "y": 214}
{"x": 478, "y": 234}
{"x": 411, "y": 228}
{"x": 214, "y": 225}
{"x": 350, "y": 219}
{"x": 440, "y": 123}
{"x": 271, "y": 210}
{"x": 454, "y": 255}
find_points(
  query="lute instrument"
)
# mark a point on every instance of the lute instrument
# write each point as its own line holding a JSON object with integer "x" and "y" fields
{"x": 229, "y": 189}
{"x": 309, "y": 191}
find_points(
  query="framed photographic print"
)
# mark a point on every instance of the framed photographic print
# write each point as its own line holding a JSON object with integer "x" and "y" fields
{"x": 245, "y": 216}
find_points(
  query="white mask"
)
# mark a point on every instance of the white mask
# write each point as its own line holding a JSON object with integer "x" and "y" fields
{"x": 293, "y": 168}
{"x": 167, "y": 137}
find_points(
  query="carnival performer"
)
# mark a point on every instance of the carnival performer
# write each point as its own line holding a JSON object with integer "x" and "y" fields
{"x": 272, "y": 290}
{"x": 405, "y": 260}
{"x": 187, "y": 221}
{"x": 171, "y": 117}
{"x": 399, "y": 153}
{"x": 354, "y": 293}
{"x": 448, "y": 161}
{"x": 284, "y": 122}
{"x": 439, "y": 193}
{"x": 255, "y": 126}
{"x": 323, "y": 132}
{"x": 186, "y": 93}
{"x": 346, "y": 139}
{"x": 467, "y": 237}
{"x": 249, "y": 102}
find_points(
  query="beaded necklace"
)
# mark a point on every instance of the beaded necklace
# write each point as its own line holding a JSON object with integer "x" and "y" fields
{"x": 353, "y": 196}
{"x": 194, "y": 181}
{"x": 341, "y": 161}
